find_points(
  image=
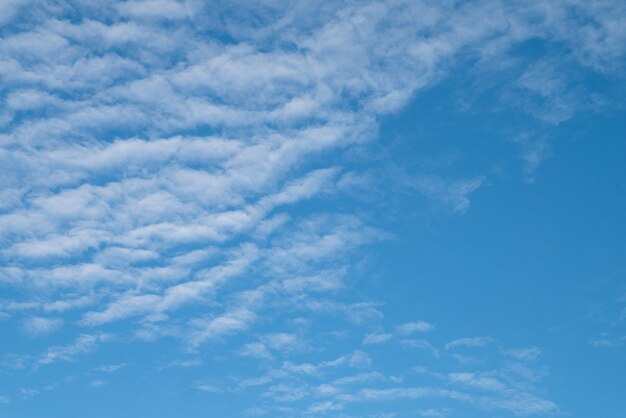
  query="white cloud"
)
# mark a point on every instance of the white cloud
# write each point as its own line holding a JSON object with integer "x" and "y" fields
{"x": 203, "y": 387}
{"x": 525, "y": 354}
{"x": 359, "y": 359}
{"x": 228, "y": 323}
{"x": 525, "y": 404}
{"x": 194, "y": 362}
{"x": 469, "y": 342}
{"x": 421, "y": 345}
{"x": 452, "y": 194}
{"x": 28, "y": 392}
{"x": 166, "y": 187}
{"x": 83, "y": 344}
{"x": 412, "y": 327}
{"x": 286, "y": 393}
{"x": 359, "y": 378}
{"x": 377, "y": 338}
{"x": 256, "y": 349}
{"x": 162, "y": 9}
{"x": 95, "y": 383}
{"x": 324, "y": 407}
{"x": 481, "y": 382}
{"x": 39, "y": 326}
{"x": 110, "y": 368}
{"x": 282, "y": 343}
{"x": 117, "y": 205}
{"x": 438, "y": 413}
{"x": 406, "y": 393}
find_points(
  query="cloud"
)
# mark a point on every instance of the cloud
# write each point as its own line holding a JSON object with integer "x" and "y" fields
{"x": 524, "y": 404}
{"x": 525, "y": 354}
{"x": 412, "y": 327}
{"x": 112, "y": 168}
{"x": 8, "y": 10}
{"x": 203, "y": 387}
{"x": 452, "y": 194}
{"x": 83, "y": 344}
{"x": 111, "y": 368}
{"x": 303, "y": 385}
{"x": 359, "y": 359}
{"x": 97, "y": 383}
{"x": 469, "y": 342}
{"x": 181, "y": 184}
{"x": 228, "y": 323}
{"x": 277, "y": 342}
{"x": 161, "y": 9}
{"x": 439, "y": 413}
{"x": 28, "y": 392}
{"x": 377, "y": 338}
{"x": 421, "y": 345}
{"x": 406, "y": 393}
{"x": 194, "y": 362}
{"x": 40, "y": 326}
{"x": 359, "y": 378}
{"x": 480, "y": 382}
{"x": 608, "y": 342}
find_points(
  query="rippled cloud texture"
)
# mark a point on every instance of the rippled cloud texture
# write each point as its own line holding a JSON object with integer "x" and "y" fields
{"x": 193, "y": 191}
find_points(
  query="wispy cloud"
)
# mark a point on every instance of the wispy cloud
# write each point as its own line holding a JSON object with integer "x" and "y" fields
{"x": 175, "y": 169}
{"x": 452, "y": 194}
{"x": 469, "y": 342}
{"x": 83, "y": 344}
{"x": 525, "y": 354}
{"x": 39, "y": 326}
{"x": 412, "y": 327}
{"x": 377, "y": 338}
{"x": 110, "y": 368}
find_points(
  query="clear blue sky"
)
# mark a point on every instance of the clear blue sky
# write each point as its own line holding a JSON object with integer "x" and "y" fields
{"x": 312, "y": 209}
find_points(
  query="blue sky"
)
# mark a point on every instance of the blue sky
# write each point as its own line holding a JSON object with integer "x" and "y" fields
{"x": 312, "y": 209}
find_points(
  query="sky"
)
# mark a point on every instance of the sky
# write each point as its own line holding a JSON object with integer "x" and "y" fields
{"x": 393, "y": 208}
